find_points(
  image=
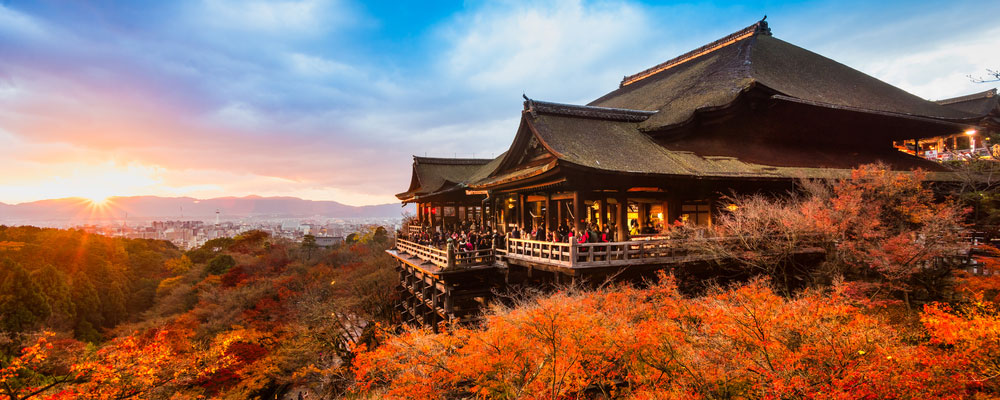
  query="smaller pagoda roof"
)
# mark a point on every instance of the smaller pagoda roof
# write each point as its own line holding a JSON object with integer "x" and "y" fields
{"x": 985, "y": 105}
{"x": 436, "y": 175}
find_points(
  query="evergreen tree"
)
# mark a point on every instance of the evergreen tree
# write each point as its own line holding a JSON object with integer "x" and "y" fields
{"x": 22, "y": 304}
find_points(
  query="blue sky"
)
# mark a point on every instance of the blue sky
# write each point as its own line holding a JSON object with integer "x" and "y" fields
{"x": 328, "y": 99}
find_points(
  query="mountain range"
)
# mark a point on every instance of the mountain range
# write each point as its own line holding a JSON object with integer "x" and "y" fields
{"x": 174, "y": 208}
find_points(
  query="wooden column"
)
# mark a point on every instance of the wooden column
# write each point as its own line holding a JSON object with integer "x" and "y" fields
{"x": 482, "y": 215}
{"x": 674, "y": 209}
{"x": 622, "y": 218}
{"x": 521, "y": 209}
{"x": 666, "y": 215}
{"x": 420, "y": 213}
{"x": 643, "y": 215}
{"x": 578, "y": 211}
{"x": 548, "y": 212}
{"x": 602, "y": 219}
{"x": 559, "y": 213}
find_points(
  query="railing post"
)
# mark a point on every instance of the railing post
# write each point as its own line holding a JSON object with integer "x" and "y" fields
{"x": 572, "y": 252}
{"x": 451, "y": 256}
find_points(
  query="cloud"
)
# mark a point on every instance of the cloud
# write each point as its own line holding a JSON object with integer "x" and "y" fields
{"x": 544, "y": 48}
{"x": 19, "y": 24}
{"x": 307, "y": 17}
{"x": 941, "y": 70}
{"x": 303, "y": 98}
{"x": 315, "y": 66}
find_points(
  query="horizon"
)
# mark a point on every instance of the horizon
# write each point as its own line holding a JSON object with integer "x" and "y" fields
{"x": 327, "y": 100}
{"x": 110, "y": 199}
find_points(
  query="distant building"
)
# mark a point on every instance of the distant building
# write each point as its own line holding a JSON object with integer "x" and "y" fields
{"x": 329, "y": 241}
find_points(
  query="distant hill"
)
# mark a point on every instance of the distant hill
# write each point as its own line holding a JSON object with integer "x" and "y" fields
{"x": 76, "y": 209}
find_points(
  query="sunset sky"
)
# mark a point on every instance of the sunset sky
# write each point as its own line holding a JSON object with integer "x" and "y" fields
{"x": 327, "y": 100}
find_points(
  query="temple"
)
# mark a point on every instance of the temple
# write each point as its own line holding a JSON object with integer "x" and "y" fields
{"x": 969, "y": 144}
{"x": 748, "y": 113}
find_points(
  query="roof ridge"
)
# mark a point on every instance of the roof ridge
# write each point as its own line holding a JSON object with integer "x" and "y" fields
{"x": 576, "y": 110}
{"x": 758, "y": 27}
{"x": 452, "y": 161}
{"x": 974, "y": 96}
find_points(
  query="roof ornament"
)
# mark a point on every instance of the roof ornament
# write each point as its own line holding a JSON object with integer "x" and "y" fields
{"x": 529, "y": 105}
{"x": 762, "y": 27}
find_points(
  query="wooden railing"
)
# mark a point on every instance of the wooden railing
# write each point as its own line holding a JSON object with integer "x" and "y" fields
{"x": 576, "y": 255}
{"x": 635, "y": 252}
{"x": 430, "y": 254}
{"x": 450, "y": 259}
{"x": 413, "y": 229}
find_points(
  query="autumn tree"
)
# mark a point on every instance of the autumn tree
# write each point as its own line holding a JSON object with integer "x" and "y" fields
{"x": 877, "y": 226}
{"x": 38, "y": 369}
{"x": 746, "y": 341}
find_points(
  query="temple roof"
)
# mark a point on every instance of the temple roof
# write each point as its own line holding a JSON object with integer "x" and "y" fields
{"x": 716, "y": 75}
{"x": 434, "y": 175}
{"x": 585, "y": 142}
{"x": 984, "y": 104}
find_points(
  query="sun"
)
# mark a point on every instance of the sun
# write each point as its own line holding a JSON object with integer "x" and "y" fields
{"x": 97, "y": 200}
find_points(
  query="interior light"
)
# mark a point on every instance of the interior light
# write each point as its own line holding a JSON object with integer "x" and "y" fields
{"x": 970, "y": 132}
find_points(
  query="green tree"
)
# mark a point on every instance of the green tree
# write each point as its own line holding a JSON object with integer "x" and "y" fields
{"x": 22, "y": 304}
{"x": 352, "y": 238}
{"x": 220, "y": 264}
{"x": 309, "y": 244}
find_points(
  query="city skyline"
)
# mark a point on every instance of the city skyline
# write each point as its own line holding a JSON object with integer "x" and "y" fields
{"x": 327, "y": 100}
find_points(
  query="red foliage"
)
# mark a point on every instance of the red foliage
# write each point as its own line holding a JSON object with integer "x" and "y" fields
{"x": 744, "y": 342}
{"x": 234, "y": 276}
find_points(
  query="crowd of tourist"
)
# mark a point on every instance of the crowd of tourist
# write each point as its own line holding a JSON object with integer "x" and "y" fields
{"x": 467, "y": 235}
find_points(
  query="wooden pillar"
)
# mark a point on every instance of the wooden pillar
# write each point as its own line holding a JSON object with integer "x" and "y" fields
{"x": 643, "y": 214}
{"x": 602, "y": 219}
{"x": 559, "y": 213}
{"x": 548, "y": 211}
{"x": 674, "y": 209}
{"x": 521, "y": 209}
{"x": 482, "y": 215}
{"x": 666, "y": 221}
{"x": 622, "y": 218}
{"x": 440, "y": 215}
{"x": 578, "y": 211}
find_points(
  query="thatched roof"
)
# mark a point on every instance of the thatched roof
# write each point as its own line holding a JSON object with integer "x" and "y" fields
{"x": 985, "y": 105}
{"x": 715, "y": 75}
{"x": 620, "y": 147}
{"x": 434, "y": 175}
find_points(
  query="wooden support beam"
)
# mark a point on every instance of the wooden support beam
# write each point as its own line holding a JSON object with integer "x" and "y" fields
{"x": 622, "y": 218}
{"x": 578, "y": 211}
{"x": 559, "y": 213}
{"x": 521, "y": 209}
{"x": 548, "y": 212}
{"x": 602, "y": 219}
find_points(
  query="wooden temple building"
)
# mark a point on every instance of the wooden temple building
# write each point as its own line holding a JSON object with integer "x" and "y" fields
{"x": 744, "y": 114}
{"x": 965, "y": 145}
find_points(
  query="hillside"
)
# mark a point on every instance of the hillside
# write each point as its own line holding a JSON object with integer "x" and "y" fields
{"x": 75, "y": 209}
{"x": 239, "y": 318}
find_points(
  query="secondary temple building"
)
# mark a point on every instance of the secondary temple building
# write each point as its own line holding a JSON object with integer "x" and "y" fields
{"x": 746, "y": 113}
